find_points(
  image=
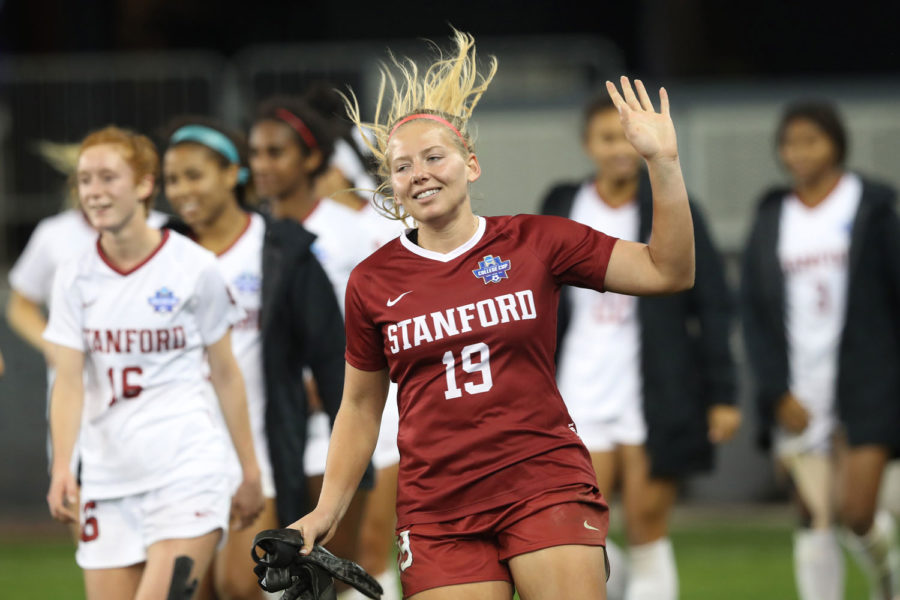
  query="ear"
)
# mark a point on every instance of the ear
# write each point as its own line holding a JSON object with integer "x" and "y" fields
{"x": 145, "y": 187}
{"x": 473, "y": 169}
{"x": 312, "y": 161}
{"x": 231, "y": 176}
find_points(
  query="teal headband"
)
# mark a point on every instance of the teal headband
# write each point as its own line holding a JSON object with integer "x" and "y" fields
{"x": 214, "y": 140}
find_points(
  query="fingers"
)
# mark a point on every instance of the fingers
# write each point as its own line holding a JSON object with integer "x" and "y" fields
{"x": 644, "y": 97}
{"x": 628, "y": 94}
{"x": 616, "y": 97}
{"x": 664, "y": 101}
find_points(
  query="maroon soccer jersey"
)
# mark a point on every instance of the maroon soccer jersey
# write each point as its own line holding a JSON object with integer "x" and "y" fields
{"x": 469, "y": 337}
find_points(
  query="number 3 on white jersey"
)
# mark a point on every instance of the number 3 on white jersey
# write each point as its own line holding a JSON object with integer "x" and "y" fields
{"x": 483, "y": 366}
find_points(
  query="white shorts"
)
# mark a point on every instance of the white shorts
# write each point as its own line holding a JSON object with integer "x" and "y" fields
{"x": 318, "y": 434}
{"x": 116, "y": 532}
{"x": 386, "y": 453}
{"x": 628, "y": 428}
{"x": 818, "y": 437}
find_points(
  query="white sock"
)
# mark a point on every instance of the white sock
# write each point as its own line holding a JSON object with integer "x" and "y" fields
{"x": 878, "y": 555}
{"x": 390, "y": 582}
{"x": 652, "y": 575}
{"x": 818, "y": 565}
{"x": 618, "y": 571}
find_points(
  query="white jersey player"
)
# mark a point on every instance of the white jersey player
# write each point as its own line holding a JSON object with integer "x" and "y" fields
{"x": 135, "y": 315}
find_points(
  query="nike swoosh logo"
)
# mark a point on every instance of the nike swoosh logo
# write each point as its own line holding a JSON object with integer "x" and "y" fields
{"x": 391, "y": 302}
{"x": 586, "y": 526}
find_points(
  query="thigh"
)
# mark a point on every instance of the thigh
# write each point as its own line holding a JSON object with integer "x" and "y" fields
{"x": 161, "y": 555}
{"x": 485, "y": 590}
{"x": 605, "y": 468}
{"x": 560, "y": 572}
{"x": 233, "y": 567}
{"x": 646, "y": 500}
{"x": 112, "y": 584}
{"x": 813, "y": 475}
{"x": 860, "y": 471}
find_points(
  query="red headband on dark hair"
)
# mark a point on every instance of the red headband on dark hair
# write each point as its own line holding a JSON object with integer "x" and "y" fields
{"x": 441, "y": 120}
{"x": 297, "y": 124}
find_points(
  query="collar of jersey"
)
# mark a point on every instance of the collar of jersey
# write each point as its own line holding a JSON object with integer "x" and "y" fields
{"x": 455, "y": 253}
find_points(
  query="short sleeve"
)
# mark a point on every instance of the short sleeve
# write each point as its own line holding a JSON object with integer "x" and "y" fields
{"x": 575, "y": 253}
{"x": 32, "y": 274}
{"x": 66, "y": 311}
{"x": 215, "y": 308}
{"x": 365, "y": 344}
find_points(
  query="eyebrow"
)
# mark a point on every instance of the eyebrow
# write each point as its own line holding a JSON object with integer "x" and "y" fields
{"x": 424, "y": 151}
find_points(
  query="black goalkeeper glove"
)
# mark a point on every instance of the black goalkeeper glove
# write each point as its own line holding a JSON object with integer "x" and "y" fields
{"x": 282, "y": 567}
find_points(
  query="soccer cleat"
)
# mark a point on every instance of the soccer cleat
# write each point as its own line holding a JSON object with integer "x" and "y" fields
{"x": 282, "y": 567}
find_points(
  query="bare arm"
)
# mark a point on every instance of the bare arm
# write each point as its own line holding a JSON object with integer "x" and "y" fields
{"x": 66, "y": 405}
{"x": 353, "y": 440}
{"x": 666, "y": 264}
{"x": 26, "y": 318}
{"x": 228, "y": 382}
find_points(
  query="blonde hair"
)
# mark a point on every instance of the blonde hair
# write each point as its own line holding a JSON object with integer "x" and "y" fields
{"x": 137, "y": 150}
{"x": 450, "y": 89}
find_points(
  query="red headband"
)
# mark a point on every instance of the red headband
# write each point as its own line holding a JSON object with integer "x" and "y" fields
{"x": 297, "y": 124}
{"x": 441, "y": 120}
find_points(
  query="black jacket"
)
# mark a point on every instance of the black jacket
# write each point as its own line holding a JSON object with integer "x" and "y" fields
{"x": 686, "y": 362}
{"x": 868, "y": 382}
{"x": 301, "y": 325}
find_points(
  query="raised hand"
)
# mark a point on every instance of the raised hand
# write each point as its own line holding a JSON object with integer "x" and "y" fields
{"x": 651, "y": 133}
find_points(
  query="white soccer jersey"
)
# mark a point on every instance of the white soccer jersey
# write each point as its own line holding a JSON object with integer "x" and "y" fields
{"x": 381, "y": 229}
{"x": 813, "y": 247}
{"x": 241, "y": 264}
{"x": 342, "y": 242}
{"x": 599, "y": 368}
{"x": 148, "y": 416}
{"x": 55, "y": 240}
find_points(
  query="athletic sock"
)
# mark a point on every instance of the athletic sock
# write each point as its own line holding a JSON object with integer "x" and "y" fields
{"x": 652, "y": 575}
{"x": 618, "y": 571}
{"x": 879, "y": 556}
{"x": 818, "y": 565}
{"x": 390, "y": 582}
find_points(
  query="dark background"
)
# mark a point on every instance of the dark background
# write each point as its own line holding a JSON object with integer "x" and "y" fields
{"x": 674, "y": 38}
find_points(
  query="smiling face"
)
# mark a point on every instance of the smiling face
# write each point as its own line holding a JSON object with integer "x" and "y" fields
{"x": 430, "y": 175}
{"x": 606, "y": 145}
{"x": 109, "y": 194}
{"x": 278, "y": 164}
{"x": 198, "y": 187}
{"x": 807, "y": 152}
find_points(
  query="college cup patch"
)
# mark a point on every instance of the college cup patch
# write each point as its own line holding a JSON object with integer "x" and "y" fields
{"x": 492, "y": 269}
{"x": 163, "y": 301}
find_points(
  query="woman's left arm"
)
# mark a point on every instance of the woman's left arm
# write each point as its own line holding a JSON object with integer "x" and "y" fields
{"x": 666, "y": 264}
{"x": 228, "y": 382}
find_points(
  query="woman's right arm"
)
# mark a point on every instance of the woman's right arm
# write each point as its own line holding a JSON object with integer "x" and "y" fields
{"x": 353, "y": 440}
{"x": 26, "y": 318}
{"x": 66, "y": 403}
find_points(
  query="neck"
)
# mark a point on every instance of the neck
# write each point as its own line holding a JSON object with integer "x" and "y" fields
{"x": 447, "y": 237}
{"x": 295, "y": 205}
{"x": 816, "y": 189}
{"x": 131, "y": 244}
{"x": 616, "y": 192}
{"x": 223, "y": 231}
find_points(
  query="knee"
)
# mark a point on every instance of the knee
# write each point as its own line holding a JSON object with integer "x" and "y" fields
{"x": 856, "y": 518}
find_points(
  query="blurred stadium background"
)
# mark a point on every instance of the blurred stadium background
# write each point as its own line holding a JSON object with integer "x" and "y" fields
{"x": 68, "y": 67}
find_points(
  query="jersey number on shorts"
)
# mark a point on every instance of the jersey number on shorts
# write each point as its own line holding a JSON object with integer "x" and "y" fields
{"x": 129, "y": 389}
{"x": 90, "y": 530}
{"x": 483, "y": 366}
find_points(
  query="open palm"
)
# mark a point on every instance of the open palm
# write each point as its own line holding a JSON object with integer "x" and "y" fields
{"x": 651, "y": 133}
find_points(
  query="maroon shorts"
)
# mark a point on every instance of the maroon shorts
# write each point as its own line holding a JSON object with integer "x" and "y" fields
{"x": 475, "y": 548}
